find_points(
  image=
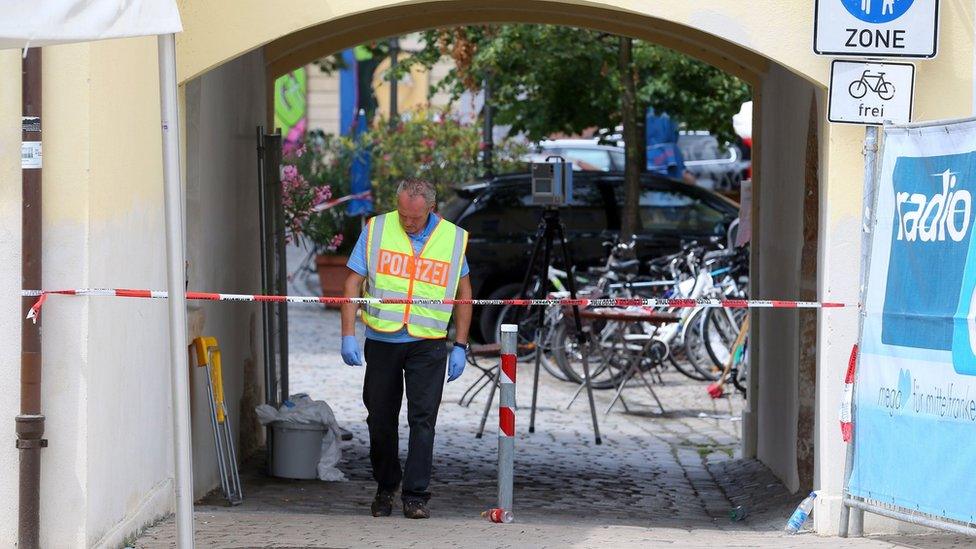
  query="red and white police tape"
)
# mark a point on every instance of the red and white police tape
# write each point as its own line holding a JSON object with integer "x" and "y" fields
{"x": 42, "y": 296}
{"x": 329, "y": 204}
{"x": 846, "y": 403}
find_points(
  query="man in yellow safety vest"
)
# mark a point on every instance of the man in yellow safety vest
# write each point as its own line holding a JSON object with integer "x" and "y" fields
{"x": 410, "y": 252}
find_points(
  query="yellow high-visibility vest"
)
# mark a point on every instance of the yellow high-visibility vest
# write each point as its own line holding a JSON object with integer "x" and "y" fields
{"x": 394, "y": 270}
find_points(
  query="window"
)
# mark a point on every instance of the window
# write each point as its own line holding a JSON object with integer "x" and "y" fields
{"x": 587, "y": 160}
{"x": 509, "y": 210}
{"x": 618, "y": 160}
{"x": 505, "y": 210}
{"x": 454, "y": 207}
{"x": 675, "y": 211}
{"x": 588, "y": 212}
{"x": 697, "y": 148}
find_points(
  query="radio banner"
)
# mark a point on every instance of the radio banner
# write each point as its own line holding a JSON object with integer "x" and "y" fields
{"x": 915, "y": 393}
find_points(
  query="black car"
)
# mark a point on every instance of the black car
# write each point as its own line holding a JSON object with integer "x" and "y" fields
{"x": 502, "y": 222}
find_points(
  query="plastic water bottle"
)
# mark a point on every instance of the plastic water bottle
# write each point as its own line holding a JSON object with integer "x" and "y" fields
{"x": 498, "y": 515}
{"x": 800, "y": 515}
{"x": 738, "y": 513}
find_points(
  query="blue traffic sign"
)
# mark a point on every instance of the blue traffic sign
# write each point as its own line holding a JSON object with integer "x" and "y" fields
{"x": 877, "y": 11}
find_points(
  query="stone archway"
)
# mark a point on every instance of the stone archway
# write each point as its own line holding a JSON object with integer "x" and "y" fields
{"x": 790, "y": 146}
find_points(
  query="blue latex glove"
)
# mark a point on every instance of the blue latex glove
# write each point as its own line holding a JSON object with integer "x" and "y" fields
{"x": 350, "y": 351}
{"x": 455, "y": 365}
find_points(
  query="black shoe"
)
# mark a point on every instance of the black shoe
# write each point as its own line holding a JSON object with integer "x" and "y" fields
{"x": 416, "y": 509}
{"x": 382, "y": 505}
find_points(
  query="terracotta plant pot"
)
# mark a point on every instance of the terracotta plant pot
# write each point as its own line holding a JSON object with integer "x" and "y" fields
{"x": 332, "y": 275}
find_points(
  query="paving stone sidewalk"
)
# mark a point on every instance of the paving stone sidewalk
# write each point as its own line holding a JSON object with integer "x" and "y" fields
{"x": 657, "y": 480}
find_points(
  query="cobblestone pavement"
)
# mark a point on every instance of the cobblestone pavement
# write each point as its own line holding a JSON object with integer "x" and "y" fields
{"x": 656, "y": 480}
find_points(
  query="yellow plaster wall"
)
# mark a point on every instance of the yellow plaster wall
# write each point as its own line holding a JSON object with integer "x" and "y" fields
{"x": 102, "y": 179}
{"x": 10, "y": 185}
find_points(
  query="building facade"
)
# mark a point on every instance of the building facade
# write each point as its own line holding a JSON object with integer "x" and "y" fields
{"x": 107, "y": 471}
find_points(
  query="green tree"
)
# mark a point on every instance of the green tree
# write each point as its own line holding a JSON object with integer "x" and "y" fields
{"x": 550, "y": 79}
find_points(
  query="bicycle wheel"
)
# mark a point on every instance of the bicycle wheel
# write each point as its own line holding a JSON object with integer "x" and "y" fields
{"x": 528, "y": 322}
{"x": 720, "y": 333}
{"x": 695, "y": 346}
{"x": 565, "y": 349}
{"x": 740, "y": 373}
{"x": 488, "y": 315}
{"x": 685, "y": 369}
{"x": 857, "y": 89}
{"x": 886, "y": 90}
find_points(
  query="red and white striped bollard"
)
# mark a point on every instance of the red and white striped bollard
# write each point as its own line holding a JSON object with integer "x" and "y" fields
{"x": 506, "y": 416}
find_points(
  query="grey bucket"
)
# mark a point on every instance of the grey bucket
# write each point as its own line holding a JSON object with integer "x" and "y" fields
{"x": 296, "y": 449}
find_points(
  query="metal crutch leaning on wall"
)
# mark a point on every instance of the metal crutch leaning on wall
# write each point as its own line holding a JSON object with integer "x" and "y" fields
{"x": 208, "y": 356}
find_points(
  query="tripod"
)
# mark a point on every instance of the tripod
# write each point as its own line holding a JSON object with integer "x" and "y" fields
{"x": 550, "y": 229}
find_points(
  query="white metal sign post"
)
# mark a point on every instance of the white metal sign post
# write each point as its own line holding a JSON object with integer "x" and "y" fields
{"x": 877, "y": 28}
{"x": 871, "y": 93}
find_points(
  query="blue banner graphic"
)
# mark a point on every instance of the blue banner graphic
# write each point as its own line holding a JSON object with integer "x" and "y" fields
{"x": 915, "y": 392}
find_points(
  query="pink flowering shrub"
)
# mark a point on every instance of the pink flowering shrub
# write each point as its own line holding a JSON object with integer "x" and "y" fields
{"x": 433, "y": 145}
{"x": 312, "y": 175}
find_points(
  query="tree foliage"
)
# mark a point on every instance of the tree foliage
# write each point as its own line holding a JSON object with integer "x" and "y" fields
{"x": 551, "y": 79}
{"x": 432, "y": 145}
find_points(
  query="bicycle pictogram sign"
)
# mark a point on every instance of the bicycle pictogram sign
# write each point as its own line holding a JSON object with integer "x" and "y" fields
{"x": 874, "y": 82}
{"x": 865, "y": 93}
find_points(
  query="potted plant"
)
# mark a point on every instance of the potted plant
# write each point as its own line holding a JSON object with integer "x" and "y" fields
{"x": 313, "y": 175}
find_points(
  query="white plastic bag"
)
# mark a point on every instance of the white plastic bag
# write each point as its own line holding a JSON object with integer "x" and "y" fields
{"x": 300, "y": 408}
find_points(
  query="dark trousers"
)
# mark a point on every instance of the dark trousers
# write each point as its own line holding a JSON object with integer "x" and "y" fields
{"x": 421, "y": 364}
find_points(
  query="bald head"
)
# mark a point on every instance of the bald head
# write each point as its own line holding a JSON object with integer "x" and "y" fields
{"x": 415, "y": 202}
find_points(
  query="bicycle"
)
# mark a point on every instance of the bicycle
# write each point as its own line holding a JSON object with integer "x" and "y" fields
{"x": 859, "y": 88}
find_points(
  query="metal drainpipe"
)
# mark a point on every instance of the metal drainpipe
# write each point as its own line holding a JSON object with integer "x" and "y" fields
{"x": 30, "y": 422}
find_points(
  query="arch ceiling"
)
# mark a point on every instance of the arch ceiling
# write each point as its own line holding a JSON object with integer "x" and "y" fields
{"x": 740, "y": 38}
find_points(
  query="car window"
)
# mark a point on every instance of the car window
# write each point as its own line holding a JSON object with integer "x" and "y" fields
{"x": 588, "y": 160}
{"x": 670, "y": 210}
{"x": 588, "y": 212}
{"x": 618, "y": 160}
{"x": 508, "y": 209}
{"x": 663, "y": 208}
{"x": 504, "y": 210}
{"x": 453, "y": 208}
{"x": 702, "y": 147}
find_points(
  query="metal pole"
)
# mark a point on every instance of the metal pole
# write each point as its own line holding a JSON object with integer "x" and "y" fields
{"x": 488, "y": 137}
{"x": 267, "y": 352}
{"x": 581, "y": 338}
{"x": 218, "y": 444}
{"x": 506, "y": 416}
{"x": 179, "y": 367}
{"x": 910, "y": 518}
{"x": 394, "y": 80}
{"x": 29, "y": 423}
{"x": 280, "y": 268}
{"x": 852, "y": 518}
{"x": 540, "y": 293}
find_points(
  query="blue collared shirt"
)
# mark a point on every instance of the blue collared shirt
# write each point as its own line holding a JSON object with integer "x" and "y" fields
{"x": 357, "y": 263}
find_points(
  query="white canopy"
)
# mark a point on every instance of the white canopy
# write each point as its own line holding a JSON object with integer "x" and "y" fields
{"x": 35, "y": 23}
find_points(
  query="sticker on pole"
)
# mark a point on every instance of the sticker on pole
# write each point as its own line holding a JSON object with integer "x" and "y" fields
{"x": 876, "y": 28}
{"x": 871, "y": 93}
{"x": 30, "y": 155}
